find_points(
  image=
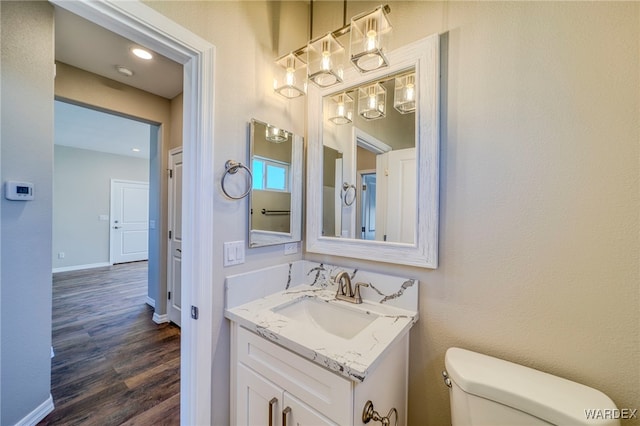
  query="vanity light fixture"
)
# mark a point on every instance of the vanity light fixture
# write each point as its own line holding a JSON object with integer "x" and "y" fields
{"x": 368, "y": 40}
{"x": 142, "y": 53}
{"x": 276, "y": 135}
{"x": 341, "y": 107}
{"x": 325, "y": 58}
{"x": 369, "y": 36}
{"x": 404, "y": 97}
{"x": 371, "y": 101}
{"x": 290, "y": 76}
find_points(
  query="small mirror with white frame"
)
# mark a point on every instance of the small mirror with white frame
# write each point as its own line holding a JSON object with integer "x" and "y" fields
{"x": 365, "y": 209}
{"x": 275, "y": 208}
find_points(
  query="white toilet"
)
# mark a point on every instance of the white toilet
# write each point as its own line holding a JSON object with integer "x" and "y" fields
{"x": 493, "y": 392}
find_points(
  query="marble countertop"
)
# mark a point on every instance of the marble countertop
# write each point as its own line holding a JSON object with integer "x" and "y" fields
{"x": 353, "y": 358}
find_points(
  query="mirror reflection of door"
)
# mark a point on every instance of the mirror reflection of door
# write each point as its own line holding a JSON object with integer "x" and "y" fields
{"x": 367, "y": 205}
{"x": 332, "y": 192}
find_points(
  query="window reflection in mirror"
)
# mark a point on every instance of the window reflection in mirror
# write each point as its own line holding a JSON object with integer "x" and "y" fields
{"x": 379, "y": 162}
{"x": 276, "y": 195}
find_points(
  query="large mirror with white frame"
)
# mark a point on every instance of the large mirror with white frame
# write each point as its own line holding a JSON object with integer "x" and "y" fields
{"x": 275, "y": 211}
{"x": 374, "y": 195}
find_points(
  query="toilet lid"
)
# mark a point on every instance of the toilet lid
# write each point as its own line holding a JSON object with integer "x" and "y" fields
{"x": 548, "y": 397}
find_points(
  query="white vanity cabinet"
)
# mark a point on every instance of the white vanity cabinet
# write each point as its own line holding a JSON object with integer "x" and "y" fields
{"x": 271, "y": 385}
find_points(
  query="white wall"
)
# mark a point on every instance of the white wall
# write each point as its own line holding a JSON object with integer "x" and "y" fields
{"x": 81, "y": 193}
{"x": 26, "y": 78}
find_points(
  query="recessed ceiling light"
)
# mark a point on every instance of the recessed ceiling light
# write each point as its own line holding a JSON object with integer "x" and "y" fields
{"x": 135, "y": 149}
{"x": 124, "y": 70}
{"x": 141, "y": 53}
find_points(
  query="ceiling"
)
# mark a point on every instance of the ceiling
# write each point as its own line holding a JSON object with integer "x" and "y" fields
{"x": 87, "y": 46}
{"x": 92, "y": 48}
{"x": 79, "y": 127}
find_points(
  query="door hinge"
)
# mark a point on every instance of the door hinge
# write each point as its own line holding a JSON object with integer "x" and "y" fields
{"x": 169, "y": 297}
{"x": 194, "y": 312}
{"x": 364, "y": 187}
{"x": 169, "y": 234}
{"x": 170, "y": 173}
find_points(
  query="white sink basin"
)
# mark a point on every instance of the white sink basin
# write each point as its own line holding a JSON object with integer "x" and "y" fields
{"x": 334, "y": 319}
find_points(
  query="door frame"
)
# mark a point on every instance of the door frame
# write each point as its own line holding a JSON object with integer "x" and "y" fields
{"x": 111, "y": 214}
{"x": 142, "y": 24}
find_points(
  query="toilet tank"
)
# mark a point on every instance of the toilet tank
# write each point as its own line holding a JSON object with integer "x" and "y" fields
{"x": 490, "y": 391}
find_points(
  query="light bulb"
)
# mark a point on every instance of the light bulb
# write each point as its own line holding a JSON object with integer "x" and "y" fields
{"x": 290, "y": 78}
{"x": 410, "y": 93}
{"x": 340, "y": 110}
{"x": 372, "y": 101}
{"x": 371, "y": 40}
{"x": 326, "y": 56}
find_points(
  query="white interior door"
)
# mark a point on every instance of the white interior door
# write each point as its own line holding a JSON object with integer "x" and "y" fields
{"x": 129, "y": 234}
{"x": 400, "y": 195}
{"x": 174, "y": 261}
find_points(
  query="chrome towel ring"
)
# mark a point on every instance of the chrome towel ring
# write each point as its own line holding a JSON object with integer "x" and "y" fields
{"x": 231, "y": 168}
{"x": 348, "y": 200}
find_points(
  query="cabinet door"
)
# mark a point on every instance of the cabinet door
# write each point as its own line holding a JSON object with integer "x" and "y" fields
{"x": 259, "y": 402}
{"x": 297, "y": 413}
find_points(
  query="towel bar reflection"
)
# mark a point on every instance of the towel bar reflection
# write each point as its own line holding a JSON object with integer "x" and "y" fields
{"x": 231, "y": 168}
{"x": 274, "y": 212}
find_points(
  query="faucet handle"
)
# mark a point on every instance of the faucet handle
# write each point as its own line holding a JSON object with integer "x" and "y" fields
{"x": 356, "y": 292}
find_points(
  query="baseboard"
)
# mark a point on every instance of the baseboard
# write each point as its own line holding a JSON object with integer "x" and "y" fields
{"x": 160, "y": 319}
{"x": 34, "y": 417}
{"x": 80, "y": 267}
{"x": 151, "y": 302}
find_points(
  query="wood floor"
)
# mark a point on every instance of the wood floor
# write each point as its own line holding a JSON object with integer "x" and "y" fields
{"x": 113, "y": 365}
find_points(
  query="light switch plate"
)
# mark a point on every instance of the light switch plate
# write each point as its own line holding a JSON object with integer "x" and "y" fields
{"x": 233, "y": 253}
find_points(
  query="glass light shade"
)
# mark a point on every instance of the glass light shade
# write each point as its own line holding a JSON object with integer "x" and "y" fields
{"x": 371, "y": 101}
{"x": 275, "y": 135}
{"x": 368, "y": 40}
{"x": 404, "y": 97}
{"x": 341, "y": 109}
{"x": 325, "y": 59}
{"x": 290, "y": 80}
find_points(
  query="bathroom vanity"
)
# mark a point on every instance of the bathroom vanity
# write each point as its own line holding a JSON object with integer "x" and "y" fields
{"x": 299, "y": 356}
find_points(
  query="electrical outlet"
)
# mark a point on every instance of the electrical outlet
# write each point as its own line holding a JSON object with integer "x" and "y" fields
{"x": 291, "y": 248}
{"x": 60, "y": 255}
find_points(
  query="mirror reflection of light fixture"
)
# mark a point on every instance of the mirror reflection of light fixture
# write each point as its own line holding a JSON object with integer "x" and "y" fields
{"x": 404, "y": 98}
{"x": 368, "y": 40}
{"x": 371, "y": 101}
{"x": 341, "y": 109}
{"x": 325, "y": 57}
{"x": 290, "y": 76}
{"x": 276, "y": 135}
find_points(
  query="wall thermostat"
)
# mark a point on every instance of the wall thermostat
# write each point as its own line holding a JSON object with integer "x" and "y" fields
{"x": 20, "y": 191}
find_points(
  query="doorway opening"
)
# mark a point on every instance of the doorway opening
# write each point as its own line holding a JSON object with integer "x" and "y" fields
{"x": 147, "y": 27}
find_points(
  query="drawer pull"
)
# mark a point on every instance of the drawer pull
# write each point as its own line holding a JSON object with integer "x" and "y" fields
{"x": 285, "y": 413}
{"x": 273, "y": 402}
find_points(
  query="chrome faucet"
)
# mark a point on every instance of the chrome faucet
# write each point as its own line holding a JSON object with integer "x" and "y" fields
{"x": 345, "y": 292}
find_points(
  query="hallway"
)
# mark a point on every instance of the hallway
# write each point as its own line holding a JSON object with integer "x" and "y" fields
{"x": 113, "y": 365}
